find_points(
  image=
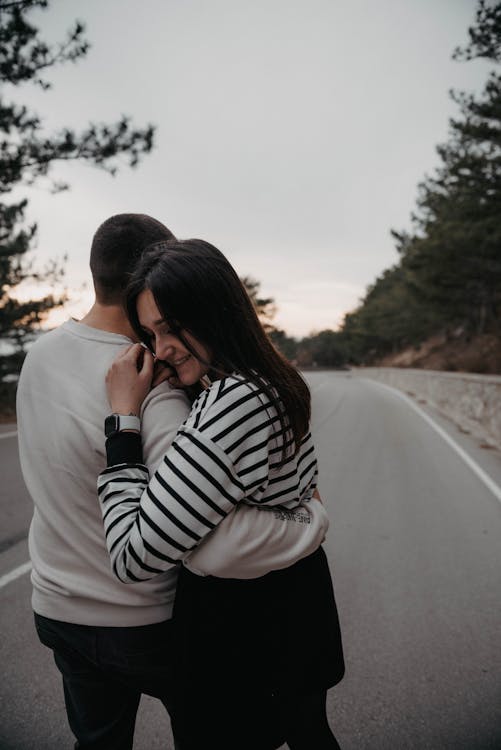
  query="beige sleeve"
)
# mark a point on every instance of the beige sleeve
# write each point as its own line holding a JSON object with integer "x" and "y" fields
{"x": 252, "y": 541}
{"x": 162, "y": 413}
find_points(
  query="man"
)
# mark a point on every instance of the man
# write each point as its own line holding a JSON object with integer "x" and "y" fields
{"x": 111, "y": 642}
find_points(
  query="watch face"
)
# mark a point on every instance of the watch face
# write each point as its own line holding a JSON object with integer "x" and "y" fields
{"x": 110, "y": 425}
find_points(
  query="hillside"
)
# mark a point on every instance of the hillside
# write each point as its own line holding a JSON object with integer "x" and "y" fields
{"x": 453, "y": 352}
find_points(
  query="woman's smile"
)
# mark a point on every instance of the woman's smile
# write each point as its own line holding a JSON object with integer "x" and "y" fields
{"x": 179, "y": 362}
{"x": 167, "y": 345}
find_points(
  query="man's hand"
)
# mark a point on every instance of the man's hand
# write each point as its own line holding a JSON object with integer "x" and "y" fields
{"x": 316, "y": 494}
{"x": 129, "y": 379}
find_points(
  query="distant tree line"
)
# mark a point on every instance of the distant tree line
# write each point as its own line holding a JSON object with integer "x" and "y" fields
{"x": 448, "y": 276}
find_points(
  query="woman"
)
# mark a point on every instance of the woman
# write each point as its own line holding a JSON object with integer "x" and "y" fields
{"x": 255, "y": 656}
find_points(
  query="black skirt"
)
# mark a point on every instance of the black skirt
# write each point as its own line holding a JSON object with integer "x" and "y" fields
{"x": 245, "y": 639}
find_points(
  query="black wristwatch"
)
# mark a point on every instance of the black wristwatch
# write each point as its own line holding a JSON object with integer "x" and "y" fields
{"x": 118, "y": 422}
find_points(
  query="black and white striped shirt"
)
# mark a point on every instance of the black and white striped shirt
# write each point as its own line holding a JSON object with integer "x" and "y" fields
{"x": 228, "y": 450}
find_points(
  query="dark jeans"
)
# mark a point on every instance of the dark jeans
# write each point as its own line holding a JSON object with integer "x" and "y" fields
{"x": 105, "y": 671}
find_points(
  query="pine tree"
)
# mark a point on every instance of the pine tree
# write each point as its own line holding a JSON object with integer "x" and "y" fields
{"x": 27, "y": 154}
{"x": 456, "y": 254}
{"x": 265, "y": 306}
{"x": 449, "y": 273}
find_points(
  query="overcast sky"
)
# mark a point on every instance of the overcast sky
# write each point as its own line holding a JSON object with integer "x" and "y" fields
{"x": 291, "y": 134}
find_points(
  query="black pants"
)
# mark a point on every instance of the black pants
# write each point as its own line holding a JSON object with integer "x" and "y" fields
{"x": 105, "y": 671}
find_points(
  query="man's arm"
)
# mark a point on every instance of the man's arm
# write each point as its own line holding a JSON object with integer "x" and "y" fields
{"x": 162, "y": 413}
{"x": 251, "y": 541}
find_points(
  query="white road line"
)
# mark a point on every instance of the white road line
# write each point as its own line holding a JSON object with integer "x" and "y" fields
{"x": 481, "y": 474}
{"x": 8, "y": 434}
{"x": 16, "y": 573}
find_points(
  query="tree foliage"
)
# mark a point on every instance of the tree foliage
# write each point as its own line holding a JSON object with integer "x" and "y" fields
{"x": 449, "y": 271}
{"x": 27, "y": 154}
{"x": 265, "y": 306}
{"x": 484, "y": 35}
{"x": 448, "y": 276}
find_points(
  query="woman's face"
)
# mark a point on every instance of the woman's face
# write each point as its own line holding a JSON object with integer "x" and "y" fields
{"x": 167, "y": 345}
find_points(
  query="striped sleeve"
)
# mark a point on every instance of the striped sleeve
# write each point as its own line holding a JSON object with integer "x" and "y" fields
{"x": 151, "y": 525}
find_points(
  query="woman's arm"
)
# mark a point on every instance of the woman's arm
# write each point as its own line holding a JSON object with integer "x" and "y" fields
{"x": 151, "y": 524}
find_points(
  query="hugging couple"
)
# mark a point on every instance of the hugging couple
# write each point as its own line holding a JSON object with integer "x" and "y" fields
{"x": 194, "y": 573}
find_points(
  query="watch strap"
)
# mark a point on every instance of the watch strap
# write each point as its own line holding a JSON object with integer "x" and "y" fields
{"x": 120, "y": 422}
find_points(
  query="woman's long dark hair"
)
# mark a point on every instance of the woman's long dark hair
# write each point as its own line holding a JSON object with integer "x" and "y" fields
{"x": 197, "y": 290}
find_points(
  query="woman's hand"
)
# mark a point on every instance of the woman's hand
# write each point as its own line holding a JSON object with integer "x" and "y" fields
{"x": 164, "y": 372}
{"x": 129, "y": 379}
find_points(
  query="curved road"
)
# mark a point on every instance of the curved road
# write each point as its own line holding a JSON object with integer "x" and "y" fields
{"x": 415, "y": 550}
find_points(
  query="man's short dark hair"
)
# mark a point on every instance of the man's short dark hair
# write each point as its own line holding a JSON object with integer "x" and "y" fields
{"x": 116, "y": 247}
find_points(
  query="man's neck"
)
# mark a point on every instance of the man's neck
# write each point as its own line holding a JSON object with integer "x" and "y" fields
{"x": 110, "y": 318}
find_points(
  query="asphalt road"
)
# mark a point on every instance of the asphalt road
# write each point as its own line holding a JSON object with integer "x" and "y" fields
{"x": 415, "y": 551}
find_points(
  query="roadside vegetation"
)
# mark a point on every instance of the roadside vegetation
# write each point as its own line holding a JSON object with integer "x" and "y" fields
{"x": 440, "y": 305}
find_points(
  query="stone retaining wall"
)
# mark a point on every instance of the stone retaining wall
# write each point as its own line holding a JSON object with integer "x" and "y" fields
{"x": 473, "y": 402}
